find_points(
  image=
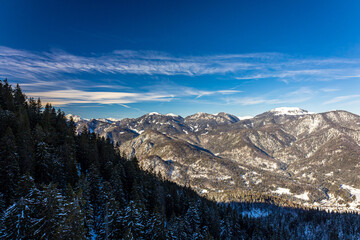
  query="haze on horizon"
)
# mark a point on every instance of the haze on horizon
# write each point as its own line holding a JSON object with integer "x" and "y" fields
{"x": 124, "y": 59}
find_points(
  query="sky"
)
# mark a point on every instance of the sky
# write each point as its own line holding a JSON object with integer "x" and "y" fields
{"x": 117, "y": 59}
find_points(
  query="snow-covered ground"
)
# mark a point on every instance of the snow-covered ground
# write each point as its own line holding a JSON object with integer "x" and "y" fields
{"x": 355, "y": 192}
{"x": 289, "y": 111}
{"x": 172, "y": 115}
{"x": 281, "y": 190}
{"x": 244, "y": 117}
{"x": 303, "y": 196}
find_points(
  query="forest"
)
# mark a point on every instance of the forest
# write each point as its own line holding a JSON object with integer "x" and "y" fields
{"x": 55, "y": 184}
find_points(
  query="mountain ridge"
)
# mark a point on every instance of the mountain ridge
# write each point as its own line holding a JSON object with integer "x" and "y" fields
{"x": 219, "y": 154}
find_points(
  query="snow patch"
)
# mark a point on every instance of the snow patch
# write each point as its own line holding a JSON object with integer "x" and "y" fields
{"x": 355, "y": 192}
{"x": 172, "y": 115}
{"x": 281, "y": 190}
{"x": 76, "y": 118}
{"x": 135, "y": 130}
{"x": 204, "y": 191}
{"x": 245, "y": 117}
{"x": 294, "y": 111}
{"x": 154, "y": 113}
{"x": 107, "y": 120}
{"x": 329, "y": 174}
{"x": 303, "y": 196}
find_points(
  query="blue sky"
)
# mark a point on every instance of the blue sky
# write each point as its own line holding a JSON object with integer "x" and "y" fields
{"x": 127, "y": 58}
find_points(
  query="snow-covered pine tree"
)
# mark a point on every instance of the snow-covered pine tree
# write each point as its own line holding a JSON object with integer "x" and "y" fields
{"x": 75, "y": 217}
{"x": 51, "y": 213}
{"x": 133, "y": 220}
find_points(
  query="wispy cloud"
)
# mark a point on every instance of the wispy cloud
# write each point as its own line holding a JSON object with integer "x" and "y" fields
{"x": 58, "y": 76}
{"x": 327, "y": 90}
{"x": 342, "y": 99}
{"x": 262, "y": 100}
{"x": 73, "y": 96}
{"x": 292, "y": 96}
{"x": 62, "y": 97}
{"x": 22, "y": 64}
{"x": 34, "y": 65}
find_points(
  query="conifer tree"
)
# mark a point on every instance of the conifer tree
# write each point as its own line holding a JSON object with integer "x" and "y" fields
{"x": 9, "y": 166}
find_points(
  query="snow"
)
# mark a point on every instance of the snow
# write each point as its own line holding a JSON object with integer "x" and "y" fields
{"x": 281, "y": 190}
{"x": 225, "y": 177}
{"x": 172, "y": 115}
{"x": 199, "y": 114}
{"x": 114, "y": 119}
{"x": 355, "y": 192}
{"x": 135, "y": 130}
{"x": 245, "y": 117}
{"x": 204, "y": 191}
{"x": 289, "y": 111}
{"x": 154, "y": 113}
{"x": 303, "y": 196}
{"x": 313, "y": 124}
{"x": 76, "y": 118}
{"x": 107, "y": 120}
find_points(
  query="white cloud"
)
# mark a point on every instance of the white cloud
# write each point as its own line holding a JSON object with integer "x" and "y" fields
{"x": 22, "y": 64}
{"x": 73, "y": 96}
{"x": 62, "y": 97}
{"x": 56, "y": 76}
{"x": 208, "y": 93}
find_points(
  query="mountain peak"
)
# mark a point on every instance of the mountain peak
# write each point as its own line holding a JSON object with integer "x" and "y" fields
{"x": 200, "y": 114}
{"x": 289, "y": 111}
{"x": 172, "y": 115}
{"x": 154, "y": 113}
{"x": 76, "y": 118}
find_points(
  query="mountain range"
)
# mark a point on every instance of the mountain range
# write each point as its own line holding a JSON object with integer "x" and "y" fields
{"x": 308, "y": 158}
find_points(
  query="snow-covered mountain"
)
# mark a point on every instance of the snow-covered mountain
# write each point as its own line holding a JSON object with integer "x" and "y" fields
{"x": 312, "y": 159}
{"x": 289, "y": 111}
{"x": 75, "y": 118}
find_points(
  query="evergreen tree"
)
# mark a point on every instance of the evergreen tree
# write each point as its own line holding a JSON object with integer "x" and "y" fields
{"x": 16, "y": 221}
{"x": 74, "y": 225}
{"x": 9, "y": 166}
{"x": 51, "y": 213}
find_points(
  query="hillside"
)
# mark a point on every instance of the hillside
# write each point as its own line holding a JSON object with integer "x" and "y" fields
{"x": 310, "y": 155}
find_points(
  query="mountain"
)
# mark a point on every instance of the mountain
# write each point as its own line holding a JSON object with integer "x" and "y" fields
{"x": 308, "y": 158}
{"x": 56, "y": 184}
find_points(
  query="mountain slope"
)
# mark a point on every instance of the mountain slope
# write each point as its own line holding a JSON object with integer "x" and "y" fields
{"x": 311, "y": 155}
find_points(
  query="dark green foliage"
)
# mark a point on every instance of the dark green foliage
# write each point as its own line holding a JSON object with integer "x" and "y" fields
{"x": 55, "y": 184}
{"x": 9, "y": 166}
